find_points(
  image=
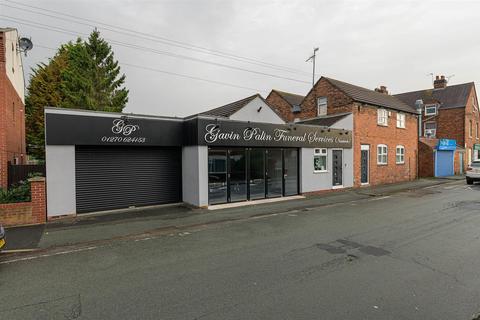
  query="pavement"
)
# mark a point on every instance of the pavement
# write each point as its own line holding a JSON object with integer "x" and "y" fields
{"x": 136, "y": 222}
{"x": 408, "y": 253}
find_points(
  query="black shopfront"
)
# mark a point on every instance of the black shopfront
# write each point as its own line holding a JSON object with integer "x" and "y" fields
{"x": 251, "y": 161}
{"x": 111, "y": 161}
{"x": 240, "y": 174}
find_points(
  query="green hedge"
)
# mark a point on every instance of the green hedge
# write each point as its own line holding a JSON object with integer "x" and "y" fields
{"x": 19, "y": 192}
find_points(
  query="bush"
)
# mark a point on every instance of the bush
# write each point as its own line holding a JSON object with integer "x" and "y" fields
{"x": 19, "y": 192}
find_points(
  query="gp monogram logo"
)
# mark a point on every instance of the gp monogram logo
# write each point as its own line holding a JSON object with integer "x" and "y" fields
{"x": 120, "y": 127}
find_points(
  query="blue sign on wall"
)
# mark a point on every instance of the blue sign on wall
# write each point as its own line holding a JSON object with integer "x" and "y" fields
{"x": 447, "y": 144}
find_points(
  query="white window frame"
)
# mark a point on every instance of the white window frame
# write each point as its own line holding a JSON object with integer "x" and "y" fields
{"x": 381, "y": 155}
{"x": 401, "y": 119}
{"x": 434, "y": 130}
{"x": 427, "y": 106}
{"x": 322, "y": 106}
{"x": 401, "y": 154}
{"x": 382, "y": 117}
{"x": 320, "y": 153}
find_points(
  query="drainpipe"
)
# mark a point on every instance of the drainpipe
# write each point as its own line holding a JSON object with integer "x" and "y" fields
{"x": 419, "y": 107}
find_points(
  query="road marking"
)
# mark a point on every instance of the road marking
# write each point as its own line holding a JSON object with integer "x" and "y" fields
{"x": 380, "y": 198}
{"x": 48, "y": 255}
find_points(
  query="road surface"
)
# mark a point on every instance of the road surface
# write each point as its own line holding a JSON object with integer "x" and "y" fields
{"x": 412, "y": 255}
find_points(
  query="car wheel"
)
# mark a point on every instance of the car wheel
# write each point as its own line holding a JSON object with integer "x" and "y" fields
{"x": 469, "y": 181}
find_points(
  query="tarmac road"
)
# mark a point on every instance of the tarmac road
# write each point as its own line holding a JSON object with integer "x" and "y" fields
{"x": 412, "y": 255}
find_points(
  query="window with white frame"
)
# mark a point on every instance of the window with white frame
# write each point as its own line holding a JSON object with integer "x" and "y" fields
{"x": 382, "y": 117}
{"x": 430, "y": 109}
{"x": 400, "y": 120}
{"x": 430, "y": 129}
{"x": 320, "y": 160}
{"x": 400, "y": 155}
{"x": 322, "y": 103}
{"x": 382, "y": 154}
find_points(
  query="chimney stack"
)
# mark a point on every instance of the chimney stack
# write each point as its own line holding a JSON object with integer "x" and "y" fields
{"x": 382, "y": 89}
{"x": 440, "y": 82}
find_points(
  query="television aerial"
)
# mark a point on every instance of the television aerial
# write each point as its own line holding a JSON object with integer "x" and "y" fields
{"x": 25, "y": 45}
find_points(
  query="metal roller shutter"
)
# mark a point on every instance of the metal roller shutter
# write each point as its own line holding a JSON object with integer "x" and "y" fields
{"x": 119, "y": 177}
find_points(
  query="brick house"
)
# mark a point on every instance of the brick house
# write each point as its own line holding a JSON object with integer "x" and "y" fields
{"x": 449, "y": 112}
{"x": 12, "y": 103}
{"x": 385, "y": 129}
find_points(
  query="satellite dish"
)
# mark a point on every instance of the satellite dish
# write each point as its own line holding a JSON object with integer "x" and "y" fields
{"x": 25, "y": 45}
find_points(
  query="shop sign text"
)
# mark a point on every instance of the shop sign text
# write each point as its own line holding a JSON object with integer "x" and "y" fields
{"x": 122, "y": 132}
{"x": 214, "y": 134}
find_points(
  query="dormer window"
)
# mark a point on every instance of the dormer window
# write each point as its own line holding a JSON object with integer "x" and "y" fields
{"x": 430, "y": 109}
{"x": 296, "y": 108}
{"x": 322, "y": 106}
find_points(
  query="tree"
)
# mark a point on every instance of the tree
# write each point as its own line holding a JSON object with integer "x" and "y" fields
{"x": 81, "y": 75}
{"x": 44, "y": 90}
{"x": 92, "y": 78}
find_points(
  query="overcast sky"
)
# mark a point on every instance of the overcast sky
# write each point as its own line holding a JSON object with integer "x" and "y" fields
{"x": 367, "y": 43}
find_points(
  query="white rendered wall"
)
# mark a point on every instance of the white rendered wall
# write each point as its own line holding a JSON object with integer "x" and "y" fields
{"x": 13, "y": 63}
{"x": 315, "y": 181}
{"x": 60, "y": 166}
{"x": 195, "y": 175}
{"x": 257, "y": 111}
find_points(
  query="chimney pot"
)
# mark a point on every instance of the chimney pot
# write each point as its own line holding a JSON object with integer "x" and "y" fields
{"x": 382, "y": 89}
{"x": 440, "y": 82}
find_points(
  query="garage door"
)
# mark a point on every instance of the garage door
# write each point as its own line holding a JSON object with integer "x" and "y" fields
{"x": 444, "y": 163}
{"x": 120, "y": 177}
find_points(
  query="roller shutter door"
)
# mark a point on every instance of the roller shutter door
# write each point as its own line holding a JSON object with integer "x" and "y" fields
{"x": 120, "y": 177}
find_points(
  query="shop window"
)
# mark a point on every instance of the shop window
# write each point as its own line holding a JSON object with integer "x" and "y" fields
{"x": 400, "y": 120}
{"x": 430, "y": 129}
{"x": 382, "y": 117}
{"x": 322, "y": 106}
{"x": 320, "y": 160}
{"x": 382, "y": 154}
{"x": 430, "y": 109}
{"x": 400, "y": 155}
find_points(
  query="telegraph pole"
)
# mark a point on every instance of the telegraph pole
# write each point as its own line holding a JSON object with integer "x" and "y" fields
{"x": 313, "y": 57}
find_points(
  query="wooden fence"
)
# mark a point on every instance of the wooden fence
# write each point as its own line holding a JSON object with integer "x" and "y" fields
{"x": 20, "y": 172}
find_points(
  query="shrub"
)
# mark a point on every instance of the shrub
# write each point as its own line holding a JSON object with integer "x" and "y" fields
{"x": 19, "y": 192}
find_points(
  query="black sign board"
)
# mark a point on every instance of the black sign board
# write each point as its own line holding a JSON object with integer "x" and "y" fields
{"x": 75, "y": 129}
{"x": 249, "y": 134}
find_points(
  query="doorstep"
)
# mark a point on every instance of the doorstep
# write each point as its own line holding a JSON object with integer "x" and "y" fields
{"x": 253, "y": 202}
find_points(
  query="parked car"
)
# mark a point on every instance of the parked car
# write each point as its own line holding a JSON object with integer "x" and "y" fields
{"x": 2, "y": 237}
{"x": 473, "y": 172}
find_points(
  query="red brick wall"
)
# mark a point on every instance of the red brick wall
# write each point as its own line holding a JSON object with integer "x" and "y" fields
{"x": 12, "y": 121}
{"x": 337, "y": 100}
{"x": 471, "y": 114}
{"x": 450, "y": 124}
{"x": 276, "y": 101}
{"x": 425, "y": 160}
{"x": 368, "y": 132}
{"x": 25, "y": 213}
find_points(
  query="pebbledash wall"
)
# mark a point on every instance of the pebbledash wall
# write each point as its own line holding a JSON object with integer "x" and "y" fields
{"x": 99, "y": 161}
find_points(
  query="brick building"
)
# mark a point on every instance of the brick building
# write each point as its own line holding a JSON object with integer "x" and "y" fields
{"x": 385, "y": 129}
{"x": 449, "y": 112}
{"x": 12, "y": 103}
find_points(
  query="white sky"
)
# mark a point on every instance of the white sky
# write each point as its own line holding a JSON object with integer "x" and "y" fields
{"x": 367, "y": 43}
